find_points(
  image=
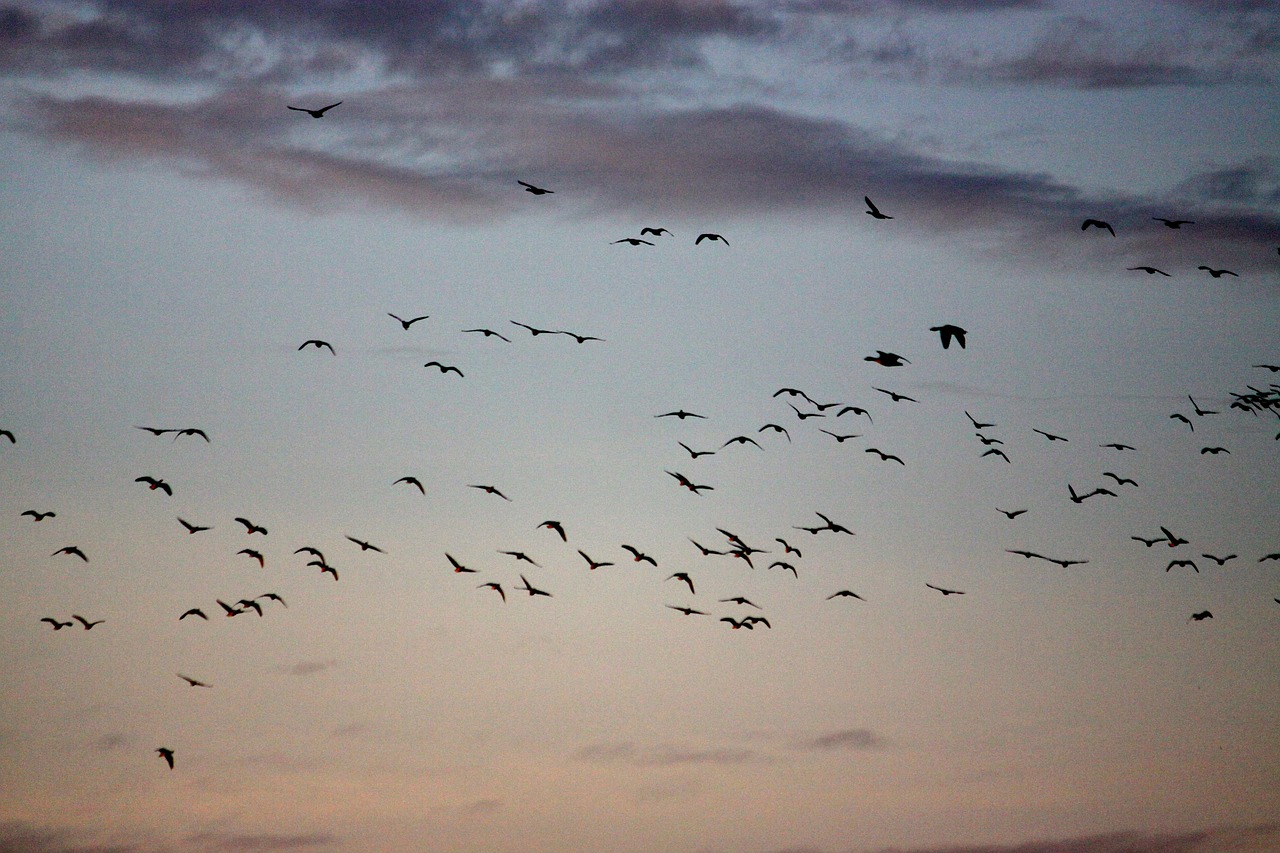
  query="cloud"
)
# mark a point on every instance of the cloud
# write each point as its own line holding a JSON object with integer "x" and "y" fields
{"x": 663, "y": 755}
{"x": 304, "y": 668}
{"x": 232, "y": 842}
{"x": 21, "y": 837}
{"x": 845, "y": 739}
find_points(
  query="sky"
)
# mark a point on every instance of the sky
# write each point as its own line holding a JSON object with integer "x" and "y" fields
{"x": 172, "y": 234}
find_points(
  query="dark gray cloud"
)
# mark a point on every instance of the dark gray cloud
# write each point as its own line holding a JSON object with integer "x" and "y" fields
{"x": 844, "y": 739}
{"x": 663, "y": 755}
{"x": 309, "y": 667}
{"x": 21, "y": 837}
{"x": 234, "y": 842}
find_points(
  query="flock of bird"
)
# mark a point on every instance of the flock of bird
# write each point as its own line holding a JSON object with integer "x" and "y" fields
{"x": 782, "y": 554}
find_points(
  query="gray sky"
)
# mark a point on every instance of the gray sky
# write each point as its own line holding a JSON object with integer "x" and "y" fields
{"x": 171, "y": 234}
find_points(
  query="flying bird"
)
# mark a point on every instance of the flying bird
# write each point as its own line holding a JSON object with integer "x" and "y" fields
{"x": 228, "y": 609}
{"x": 855, "y": 410}
{"x": 533, "y": 330}
{"x": 1049, "y": 435}
{"x": 489, "y": 333}
{"x": 1217, "y": 273}
{"x": 1174, "y": 541}
{"x": 497, "y": 587}
{"x": 634, "y": 241}
{"x": 689, "y": 484}
{"x": 315, "y": 113}
{"x": 314, "y": 342}
{"x": 195, "y": 611}
{"x": 707, "y": 552}
{"x": 806, "y": 415}
{"x": 873, "y": 211}
{"x": 7, "y": 433}
{"x": 582, "y": 339}
{"x": 443, "y": 368}
{"x": 531, "y": 589}
{"x": 684, "y": 576}
{"x": 709, "y": 236}
{"x": 775, "y": 428}
{"x": 593, "y": 564}
{"x": 995, "y": 451}
{"x": 88, "y": 626}
{"x": 896, "y": 397}
{"x": 250, "y": 527}
{"x": 70, "y": 550}
{"x": 1097, "y": 223}
{"x": 787, "y": 547}
{"x": 687, "y": 611}
{"x": 887, "y": 359}
{"x": 1195, "y": 407}
{"x": 155, "y": 430}
{"x": 520, "y": 556}
{"x": 1190, "y": 563}
{"x": 164, "y": 751}
{"x": 36, "y": 515}
{"x": 841, "y": 437}
{"x": 741, "y": 439}
{"x": 1120, "y": 481}
{"x": 489, "y": 489}
{"x": 179, "y": 433}
{"x": 656, "y": 232}
{"x": 681, "y": 414}
{"x": 976, "y": 423}
{"x": 696, "y": 453}
{"x": 786, "y": 567}
{"x": 639, "y": 556}
{"x": 458, "y": 568}
{"x": 530, "y": 188}
{"x": 412, "y": 481}
{"x": 154, "y": 483}
{"x": 1221, "y": 561}
{"x": 947, "y": 331}
{"x": 557, "y": 527}
{"x": 1200, "y": 617}
{"x": 845, "y": 593}
{"x": 1118, "y": 446}
{"x": 57, "y": 626}
{"x": 254, "y": 555}
{"x": 738, "y": 623}
{"x": 1173, "y": 223}
{"x": 193, "y": 682}
{"x": 1177, "y": 416}
{"x": 364, "y": 546}
{"x": 1214, "y": 450}
{"x": 884, "y": 457}
{"x": 1010, "y": 513}
{"x": 405, "y": 324}
{"x": 944, "y": 590}
{"x": 738, "y": 599}
{"x": 1150, "y": 271}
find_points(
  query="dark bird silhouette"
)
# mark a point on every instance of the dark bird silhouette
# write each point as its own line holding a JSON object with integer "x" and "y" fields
{"x": 494, "y": 586}
{"x": 656, "y": 232}
{"x": 489, "y": 489}
{"x": 228, "y": 609}
{"x": 786, "y": 567}
{"x": 315, "y": 113}
{"x": 1265, "y": 557}
{"x": 887, "y": 359}
{"x": 976, "y": 423}
{"x": 156, "y": 430}
{"x": 593, "y": 564}
{"x": 531, "y": 589}
{"x": 634, "y": 241}
{"x": 1010, "y": 513}
{"x": 1214, "y": 450}
{"x": 154, "y": 483}
{"x": 947, "y": 331}
{"x": 1199, "y": 411}
{"x": 533, "y": 330}
{"x": 520, "y": 556}
{"x": 582, "y": 339}
{"x": 314, "y": 342}
{"x": 681, "y": 414}
{"x": 1078, "y": 498}
{"x": 1173, "y": 223}
{"x": 787, "y": 547}
{"x": 1028, "y": 554}
{"x": 857, "y": 410}
{"x": 738, "y": 623}
{"x": 254, "y": 555}
{"x": 249, "y": 602}
{"x": 307, "y": 549}
{"x": 845, "y": 593}
{"x": 793, "y": 392}
{"x": 738, "y": 599}
{"x": 639, "y": 556}
{"x": 530, "y": 188}
{"x": 689, "y": 484}
{"x": 1174, "y": 541}
{"x": 1118, "y": 446}
{"x": 1120, "y": 481}
{"x": 1148, "y": 542}
{"x": 1049, "y": 435}
{"x": 995, "y": 451}
{"x": 806, "y": 415}
{"x": 748, "y": 621}
{"x": 179, "y": 433}
{"x": 687, "y": 611}
{"x": 1150, "y": 271}
{"x": 458, "y": 568}
{"x": 884, "y": 457}
{"x": 405, "y": 324}
{"x": 489, "y": 333}
{"x": 364, "y": 546}
{"x": 164, "y": 751}
{"x": 833, "y": 526}
{"x": 1066, "y": 564}
{"x": 709, "y": 236}
{"x": 557, "y": 527}
{"x": 683, "y": 576}
{"x": 193, "y": 682}
{"x": 250, "y": 527}
{"x": 1274, "y": 368}
{"x": 1217, "y": 273}
{"x": 1200, "y": 617}
{"x": 57, "y": 626}
{"x": 987, "y": 442}
{"x": 841, "y": 438}
{"x": 741, "y": 439}
{"x": 70, "y": 550}
{"x": 443, "y": 368}
{"x": 88, "y": 626}
{"x": 896, "y": 397}
{"x": 944, "y": 590}
{"x": 775, "y": 428}
{"x": 36, "y": 515}
{"x": 412, "y": 481}
{"x": 707, "y": 552}
{"x": 8, "y": 433}
{"x": 1191, "y": 563}
{"x": 195, "y": 611}
{"x": 1177, "y": 416}
{"x": 1221, "y": 561}
{"x": 325, "y": 568}
{"x": 696, "y": 453}
{"x": 192, "y": 528}
{"x": 873, "y": 211}
{"x": 1097, "y": 223}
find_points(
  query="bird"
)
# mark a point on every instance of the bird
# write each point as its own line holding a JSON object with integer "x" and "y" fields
{"x": 250, "y": 527}
{"x": 741, "y": 439}
{"x": 1217, "y": 273}
{"x": 582, "y": 339}
{"x": 307, "y": 549}
{"x": 995, "y": 451}
{"x": 639, "y": 556}
{"x": 443, "y": 368}
{"x": 8, "y": 433}
{"x": 1028, "y": 554}
{"x": 489, "y": 333}
{"x": 405, "y": 324}
{"x": 696, "y": 453}
{"x": 656, "y": 232}
{"x": 154, "y": 483}
{"x": 192, "y": 528}
{"x": 254, "y": 555}
{"x": 249, "y": 602}
{"x": 806, "y": 415}
{"x": 178, "y": 433}
{"x": 1049, "y": 435}
{"x": 711, "y": 237}
{"x": 1010, "y": 513}
{"x": 1097, "y": 223}
{"x": 458, "y": 568}
{"x": 1148, "y": 542}
{"x": 687, "y": 611}
{"x": 1191, "y": 563}
{"x": 520, "y": 556}
{"x": 887, "y": 359}
{"x": 987, "y": 442}
{"x": 696, "y": 488}
{"x": 787, "y": 547}
{"x": 1174, "y": 541}
{"x": 315, "y": 113}
{"x": 681, "y": 414}
{"x": 1120, "y": 481}
{"x": 557, "y": 527}
{"x": 749, "y": 621}
{"x": 1200, "y": 617}
{"x": 88, "y": 626}
{"x": 494, "y": 586}
{"x": 325, "y": 568}
{"x": 412, "y": 481}
{"x": 228, "y": 609}
{"x": 1274, "y": 368}
{"x": 841, "y": 437}
{"x": 1214, "y": 450}
{"x": 884, "y": 457}
{"x": 976, "y": 424}
{"x": 1264, "y": 558}
{"x": 684, "y": 576}
{"x": 834, "y": 527}
{"x": 593, "y": 564}
{"x": 845, "y": 593}
{"x": 36, "y": 515}
{"x": 193, "y": 682}
{"x": 1078, "y": 498}
{"x": 793, "y": 392}
{"x": 944, "y": 590}
{"x": 364, "y": 546}
{"x": 873, "y": 211}
{"x": 775, "y": 428}
{"x": 707, "y": 552}
{"x": 635, "y": 241}
{"x": 194, "y": 611}
{"x": 948, "y": 331}
{"x": 855, "y": 410}
{"x": 1177, "y": 416}
{"x": 738, "y": 623}
{"x": 1067, "y": 563}
{"x": 1195, "y": 407}
{"x": 738, "y": 599}
{"x": 1221, "y": 561}
{"x": 1173, "y": 223}
{"x": 164, "y": 751}
{"x": 1118, "y": 446}
{"x": 156, "y": 430}
{"x": 70, "y": 550}
{"x": 530, "y": 188}
{"x": 489, "y": 489}
{"x": 531, "y": 589}
{"x": 896, "y": 397}
{"x": 315, "y": 342}
{"x": 57, "y": 626}
{"x": 1150, "y": 271}
{"x": 533, "y": 330}
{"x": 786, "y": 567}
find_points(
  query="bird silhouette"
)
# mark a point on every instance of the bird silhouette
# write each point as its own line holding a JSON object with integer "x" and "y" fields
{"x": 687, "y": 611}
{"x": 412, "y": 481}
{"x": 405, "y": 324}
{"x": 884, "y": 457}
{"x": 1177, "y": 416}
{"x": 315, "y": 113}
{"x": 987, "y": 442}
{"x": 707, "y": 552}
{"x": 775, "y": 428}
{"x": 1150, "y": 271}
{"x": 57, "y": 626}
{"x": 533, "y": 330}
{"x": 458, "y": 568}
{"x": 738, "y": 623}
{"x": 1195, "y": 407}
{"x": 841, "y": 437}
{"x": 738, "y": 599}
{"x": 530, "y": 188}
{"x": 193, "y": 682}
{"x": 741, "y": 439}
{"x": 945, "y": 592}
{"x": 976, "y": 423}
{"x": 1120, "y": 481}
{"x": 1190, "y": 563}
{"x": 250, "y": 603}
{"x": 947, "y": 331}
{"x": 683, "y": 576}
{"x": 634, "y": 241}
{"x": 494, "y": 586}
{"x": 1097, "y": 223}
{"x": 520, "y": 556}
{"x": 696, "y": 453}
{"x": 271, "y": 596}
{"x": 489, "y": 333}
{"x": 787, "y": 547}
{"x": 36, "y": 515}
{"x": 72, "y": 551}
{"x": 593, "y": 564}
{"x": 179, "y": 433}
{"x": 1200, "y": 617}
{"x": 1010, "y": 513}
{"x": 1174, "y": 541}
{"x": 492, "y": 490}
{"x": 229, "y": 610}
{"x": 582, "y": 339}
{"x": 88, "y": 626}
{"x": 804, "y": 416}
{"x": 443, "y": 368}
{"x": 1049, "y": 435}
{"x": 8, "y": 433}
{"x": 639, "y": 556}
{"x": 681, "y": 414}
{"x": 689, "y": 484}
{"x": 995, "y": 451}
{"x": 254, "y": 555}
{"x": 711, "y": 237}
{"x": 656, "y": 232}
{"x": 1217, "y": 273}
{"x": 1214, "y": 450}
{"x": 855, "y": 410}
{"x": 1173, "y": 223}
{"x": 250, "y": 527}
{"x": 194, "y": 611}
{"x": 887, "y": 359}
{"x": 557, "y": 527}
{"x": 154, "y": 483}
{"x": 786, "y": 567}
{"x": 845, "y": 593}
{"x": 156, "y": 430}
{"x": 896, "y": 397}
{"x": 364, "y": 546}
{"x": 1118, "y": 446}
{"x": 1221, "y": 561}
{"x": 531, "y": 589}
{"x": 164, "y": 751}
{"x": 873, "y": 211}
{"x": 315, "y": 342}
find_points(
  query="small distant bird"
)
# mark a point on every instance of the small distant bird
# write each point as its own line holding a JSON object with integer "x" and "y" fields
{"x": 687, "y": 611}
{"x": 709, "y": 236}
{"x": 88, "y": 626}
{"x": 806, "y": 415}
{"x": 707, "y": 552}
{"x": 1274, "y": 368}
{"x": 855, "y": 410}
{"x": 593, "y": 564}
{"x": 533, "y": 330}
{"x": 57, "y": 626}
{"x": 179, "y": 433}
{"x": 845, "y": 593}
{"x": 1195, "y": 407}
{"x": 787, "y": 547}
{"x": 944, "y": 590}
{"x": 70, "y": 550}
{"x": 786, "y": 567}
{"x": 557, "y": 527}
{"x": 195, "y": 611}
{"x": 684, "y": 576}
{"x": 1200, "y": 617}
{"x": 307, "y": 549}
{"x": 689, "y": 484}
{"x": 36, "y": 515}
{"x": 1177, "y": 416}
{"x": 315, "y": 113}
{"x": 271, "y": 596}
{"x": 458, "y": 568}
{"x": 1265, "y": 557}
{"x": 656, "y": 232}
{"x": 1150, "y": 271}
{"x": 696, "y": 453}
{"x": 1174, "y": 541}
{"x": 884, "y": 457}
{"x": 443, "y": 368}
{"x": 987, "y": 442}
{"x": 1010, "y": 514}
{"x": 530, "y": 188}
{"x": 1066, "y": 564}
{"x": 154, "y": 483}
{"x": 1190, "y": 563}
{"x": 249, "y": 602}
{"x": 582, "y": 339}
{"x": 1173, "y": 223}
{"x": 634, "y": 241}
{"x": 1028, "y": 554}
{"x": 250, "y": 527}
{"x": 164, "y": 751}
{"x": 489, "y": 333}
{"x": 1081, "y": 498}
{"x": 887, "y": 359}
{"x": 1221, "y": 561}
{"x": 896, "y": 397}
{"x": 155, "y": 430}
{"x": 948, "y": 331}
{"x": 314, "y": 342}
{"x": 254, "y": 555}
{"x": 531, "y": 589}
{"x": 193, "y": 682}
{"x": 228, "y": 609}
{"x": 364, "y": 546}
{"x": 639, "y": 556}
{"x": 412, "y": 481}
{"x": 489, "y": 489}
{"x": 6, "y": 433}
{"x": 976, "y": 423}
{"x": 995, "y": 451}
{"x": 738, "y": 623}
{"x": 1217, "y": 273}
{"x": 873, "y": 211}
{"x": 775, "y": 428}
{"x": 520, "y": 556}
{"x": 497, "y": 587}
{"x": 738, "y": 599}
{"x": 1049, "y": 435}
{"x": 756, "y": 620}
{"x": 741, "y": 439}
{"x": 1118, "y": 446}
{"x": 841, "y": 437}
{"x": 1097, "y": 223}
{"x": 681, "y": 414}
{"x": 1214, "y": 450}
{"x": 1120, "y": 481}
{"x": 405, "y": 324}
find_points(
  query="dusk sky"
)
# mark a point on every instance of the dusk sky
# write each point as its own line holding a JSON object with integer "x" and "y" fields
{"x": 172, "y": 234}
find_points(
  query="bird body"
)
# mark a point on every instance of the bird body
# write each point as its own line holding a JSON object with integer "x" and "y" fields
{"x": 948, "y": 332}
{"x": 1099, "y": 224}
{"x": 316, "y": 113}
{"x": 873, "y": 211}
{"x": 317, "y": 343}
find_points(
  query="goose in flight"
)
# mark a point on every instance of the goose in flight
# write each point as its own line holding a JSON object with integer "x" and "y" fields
{"x": 947, "y": 331}
{"x": 194, "y": 611}
{"x": 443, "y": 368}
{"x": 845, "y": 593}
{"x": 841, "y": 437}
{"x": 1118, "y": 446}
{"x": 88, "y": 626}
{"x": 689, "y": 484}
{"x": 72, "y": 551}
{"x": 684, "y": 576}
{"x": 738, "y": 623}
{"x": 497, "y": 587}
{"x": 1195, "y": 407}
{"x": 857, "y": 410}
{"x": 535, "y": 190}
{"x": 1010, "y": 513}
{"x": 711, "y": 237}
{"x": 1150, "y": 271}
{"x": 1173, "y": 223}
{"x": 1178, "y": 416}
{"x": 364, "y": 546}
{"x": 639, "y": 556}
{"x": 1190, "y": 563}
{"x": 1049, "y": 435}
{"x": 36, "y": 515}
{"x": 1099, "y": 224}
{"x": 557, "y": 527}
{"x": 895, "y": 396}
{"x": 593, "y": 564}
{"x": 976, "y": 423}
{"x": 412, "y": 481}
{"x": 681, "y": 414}
{"x": 193, "y": 682}
{"x": 315, "y": 113}
{"x": 458, "y": 568}
{"x": 155, "y": 430}
{"x": 163, "y": 751}
{"x": 634, "y": 241}
{"x": 656, "y": 232}
{"x": 317, "y": 343}
{"x": 804, "y": 416}
{"x": 873, "y": 211}
{"x": 532, "y": 329}
{"x": 57, "y": 626}
{"x": 407, "y": 323}
{"x": 531, "y": 589}
{"x": 153, "y": 483}
{"x": 944, "y": 590}
{"x": 254, "y": 555}
{"x": 1217, "y": 273}
{"x": 696, "y": 453}
{"x": 741, "y": 439}
{"x": 493, "y": 490}
{"x": 995, "y": 451}
{"x": 1200, "y": 617}
{"x": 887, "y": 359}
{"x": 1120, "y": 481}
{"x": 884, "y": 457}
{"x": 179, "y": 433}
{"x": 1221, "y": 561}
{"x": 489, "y": 333}
{"x": 1214, "y": 450}
{"x": 775, "y": 428}
{"x": 250, "y": 527}
{"x": 687, "y": 611}
{"x": 582, "y": 339}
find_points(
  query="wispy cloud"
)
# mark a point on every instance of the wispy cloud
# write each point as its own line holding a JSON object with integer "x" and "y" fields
{"x": 844, "y": 739}
{"x": 233, "y": 842}
{"x": 663, "y": 755}
{"x": 310, "y": 667}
